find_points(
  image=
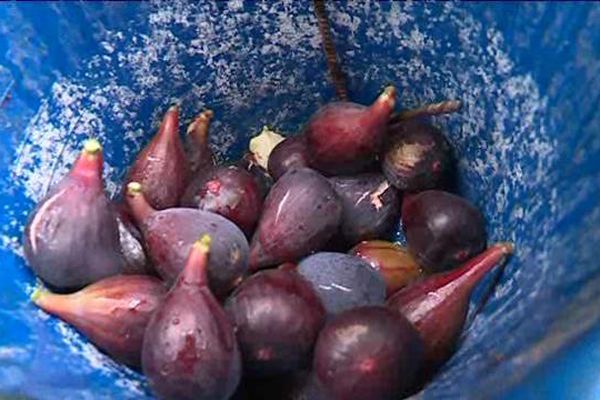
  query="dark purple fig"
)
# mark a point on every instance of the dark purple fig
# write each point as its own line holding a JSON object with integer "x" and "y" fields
{"x": 260, "y": 175}
{"x": 371, "y": 206}
{"x": 162, "y": 166}
{"x": 345, "y": 138}
{"x": 342, "y": 281}
{"x": 200, "y": 154}
{"x": 277, "y": 317}
{"x": 72, "y": 238}
{"x": 169, "y": 235}
{"x": 300, "y": 214}
{"x": 300, "y": 385}
{"x": 417, "y": 157}
{"x": 442, "y": 229}
{"x": 112, "y": 313}
{"x": 368, "y": 353}
{"x": 190, "y": 351}
{"x": 396, "y": 266}
{"x": 437, "y": 305}
{"x": 132, "y": 247}
{"x": 289, "y": 154}
{"x": 228, "y": 191}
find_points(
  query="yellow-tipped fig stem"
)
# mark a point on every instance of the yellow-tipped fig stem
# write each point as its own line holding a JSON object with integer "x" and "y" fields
{"x": 134, "y": 188}
{"x": 92, "y": 146}
{"x": 37, "y": 294}
{"x": 203, "y": 244}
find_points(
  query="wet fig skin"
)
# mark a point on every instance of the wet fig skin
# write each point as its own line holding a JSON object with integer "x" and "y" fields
{"x": 162, "y": 166}
{"x": 200, "y": 155}
{"x": 190, "y": 350}
{"x": 345, "y": 138}
{"x": 300, "y": 214}
{"x": 442, "y": 230}
{"x": 228, "y": 191}
{"x": 169, "y": 235}
{"x": 288, "y": 154}
{"x": 112, "y": 313}
{"x": 368, "y": 353}
{"x": 277, "y": 317}
{"x": 437, "y": 305}
{"x": 371, "y": 206}
{"x": 260, "y": 175}
{"x": 72, "y": 237}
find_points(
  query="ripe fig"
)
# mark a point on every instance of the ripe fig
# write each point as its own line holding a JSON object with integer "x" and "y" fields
{"x": 289, "y": 154}
{"x": 200, "y": 154}
{"x": 260, "y": 175}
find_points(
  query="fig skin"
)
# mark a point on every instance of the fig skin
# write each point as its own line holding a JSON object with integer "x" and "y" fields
{"x": 72, "y": 237}
{"x": 200, "y": 155}
{"x": 260, "y": 175}
{"x": 291, "y": 153}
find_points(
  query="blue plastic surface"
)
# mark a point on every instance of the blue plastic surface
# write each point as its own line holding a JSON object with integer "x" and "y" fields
{"x": 528, "y": 139}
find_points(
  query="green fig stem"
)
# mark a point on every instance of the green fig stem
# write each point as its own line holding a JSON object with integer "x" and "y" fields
{"x": 195, "y": 270}
{"x": 443, "y": 107}
{"x": 88, "y": 165}
{"x": 38, "y": 293}
{"x": 92, "y": 146}
{"x": 137, "y": 202}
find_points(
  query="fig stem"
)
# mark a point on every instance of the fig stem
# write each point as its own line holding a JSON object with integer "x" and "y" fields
{"x": 335, "y": 71}
{"x": 137, "y": 202}
{"x": 37, "y": 293}
{"x": 443, "y": 107}
{"x": 195, "y": 270}
{"x": 199, "y": 126}
{"x": 92, "y": 146}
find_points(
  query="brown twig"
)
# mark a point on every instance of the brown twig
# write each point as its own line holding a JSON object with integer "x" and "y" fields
{"x": 443, "y": 107}
{"x": 335, "y": 71}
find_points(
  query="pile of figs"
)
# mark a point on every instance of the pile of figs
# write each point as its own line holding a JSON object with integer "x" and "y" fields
{"x": 270, "y": 277}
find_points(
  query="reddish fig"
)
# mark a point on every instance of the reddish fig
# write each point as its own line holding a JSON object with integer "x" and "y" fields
{"x": 277, "y": 317}
{"x": 200, "y": 154}
{"x": 301, "y": 213}
{"x": 260, "y": 175}
{"x": 392, "y": 261}
{"x": 288, "y": 154}
{"x": 72, "y": 238}
{"x": 132, "y": 248}
{"x": 417, "y": 157}
{"x": 227, "y": 191}
{"x": 371, "y": 206}
{"x": 112, "y": 313}
{"x": 437, "y": 305}
{"x": 442, "y": 229}
{"x": 368, "y": 353}
{"x": 162, "y": 166}
{"x": 345, "y": 138}
{"x": 169, "y": 235}
{"x": 190, "y": 350}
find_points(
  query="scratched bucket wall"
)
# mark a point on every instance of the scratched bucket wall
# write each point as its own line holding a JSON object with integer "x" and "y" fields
{"x": 528, "y": 139}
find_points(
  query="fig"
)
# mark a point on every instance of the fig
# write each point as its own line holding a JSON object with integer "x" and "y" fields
{"x": 345, "y": 137}
{"x": 300, "y": 214}
{"x": 289, "y": 154}
{"x": 112, "y": 313}
{"x": 190, "y": 350}
{"x": 260, "y": 175}
{"x": 200, "y": 155}
{"x": 72, "y": 237}
{"x": 132, "y": 247}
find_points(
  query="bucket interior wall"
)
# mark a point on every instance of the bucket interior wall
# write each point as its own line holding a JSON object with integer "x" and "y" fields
{"x": 528, "y": 141}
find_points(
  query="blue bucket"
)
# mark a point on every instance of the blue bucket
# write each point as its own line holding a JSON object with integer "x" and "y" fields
{"x": 528, "y": 139}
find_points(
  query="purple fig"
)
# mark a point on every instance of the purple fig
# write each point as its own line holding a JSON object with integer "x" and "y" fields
{"x": 417, "y": 157}
{"x": 368, "y": 353}
{"x": 112, "y": 313}
{"x": 228, "y": 191}
{"x": 200, "y": 154}
{"x": 345, "y": 138}
{"x": 72, "y": 238}
{"x": 169, "y": 235}
{"x": 190, "y": 350}
{"x": 300, "y": 214}
{"x": 289, "y": 154}
{"x": 395, "y": 264}
{"x": 437, "y": 305}
{"x": 277, "y": 317}
{"x": 260, "y": 175}
{"x": 132, "y": 247}
{"x": 442, "y": 229}
{"x": 162, "y": 166}
{"x": 371, "y": 206}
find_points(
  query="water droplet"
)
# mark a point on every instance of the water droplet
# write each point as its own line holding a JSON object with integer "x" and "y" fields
{"x": 175, "y": 321}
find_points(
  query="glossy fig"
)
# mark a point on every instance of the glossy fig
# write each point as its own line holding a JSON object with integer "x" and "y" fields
{"x": 397, "y": 267}
{"x": 371, "y": 206}
{"x": 437, "y": 306}
{"x": 300, "y": 214}
{"x": 277, "y": 317}
{"x": 112, "y": 313}
{"x": 132, "y": 247}
{"x": 260, "y": 175}
{"x": 228, "y": 191}
{"x": 289, "y": 154}
{"x": 169, "y": 235}
{"x": 368, "y": 353}
{"x": 72, "y": 237}
{"x": 162, "y": 166}
{"x": 417, "y": 157}
{"x": 200, "y": 155}
{"x": 442, "y": 229}
{"x": 190, "y": 350}
{"x": 342, "y": 281}
{"x": 344, "y": 137}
